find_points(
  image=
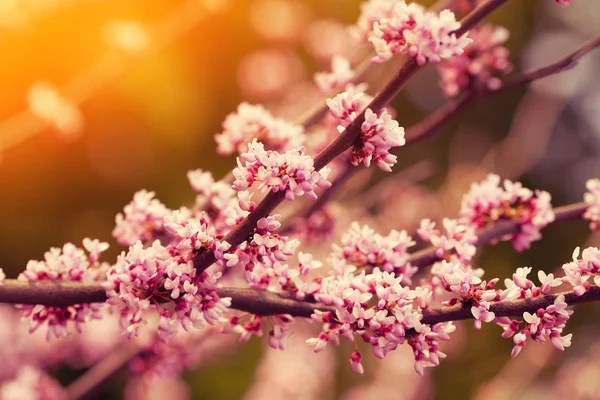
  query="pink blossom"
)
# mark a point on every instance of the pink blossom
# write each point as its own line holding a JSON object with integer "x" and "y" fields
{"x": 457, "y": 241}
{"x": 346, "y": 106}
{"x": 292, "y": 172}
{"x": 251, "y": 122}
{"x": 488, "y": 202}
{"x": 340, "y": 76}
{"x": 563, "y": 3}
{"x": 480, "y": 66}
{"x": 592, "y": 200}
{"x": 362, "y": 247}
{"x": 411, "y": 29}
{"x": 579, "y": 271}
{"x": 379, "y": 132}
{"x": 355, "y": 359}
{"x": 142, "y": 219}
{"x": 32, "y": 384}
{"x": 67, "y": 264}
{"x": 394, "y": 319}
{"x": 150, "y": 279}
{"x": 370, "y": 12}
{"x": 545, "y": 324}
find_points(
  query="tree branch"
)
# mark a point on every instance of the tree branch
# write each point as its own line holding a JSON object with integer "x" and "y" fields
{"x": 432, "y": 123}
{"x": 426, "y": 257}
{"x": 103, "y": 370}
{"x": 68, "y": 293}
{"x": 342, "y": 143}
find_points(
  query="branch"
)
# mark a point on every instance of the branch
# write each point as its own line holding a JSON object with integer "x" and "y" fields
{"x": 432, "y": 123}
{"x": 103, "y": 370}
{"x": 425, "y": 257}
{"x": 341, "y": 144}
{"x": 566, "y": 63}
{"x": 68, "y": 293}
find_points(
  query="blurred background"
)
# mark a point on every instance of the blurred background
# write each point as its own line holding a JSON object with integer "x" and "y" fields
{"x": 101, "y": 98}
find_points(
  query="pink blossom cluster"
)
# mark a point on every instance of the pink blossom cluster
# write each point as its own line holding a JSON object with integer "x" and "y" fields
{"x": 592, "y": 199}
{"x": 371, "y": 11}
{"x": 457, "y": 242}
{"x": 263, "y": 254}
{"x": 488, "y": 202}
{"x": 545, "y": 323}
{"x": 579, "y": 271}
{"x": 278, "y": 334}
{"x": 411, "y": 29}
{"x": 564, "y": 2}
{"x": 151, "y": 279}
{"x": 362, "y": 247}
{"x": 292, "y": 172}
{"x": 70, "y": 263}
{"x": 217, "y": 203}
{"x": 339, "y": 78}
{"x": 378, "y": 309}
{"x": 251, "y": 122}
{"x": 142, "y": 219}
{"x": 379, "y": 131}
{"x": 467, "y": 284}
{"x": 481, "y": 65}
{"x": 32, "y": 383}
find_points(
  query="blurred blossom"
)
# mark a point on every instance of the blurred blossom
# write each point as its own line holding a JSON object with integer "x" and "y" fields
{"x": 394, "y": 380}
{"x": 297, "y": 99}
{"x": 327, "y": 37}
{"x": 157, "y": 388}
{"x": 417, "y": 202}
{"x": 130, "y": 36}
{"x": 279, "y": 20}
{"x": 293, "y": 373}
{"x": 48, "y": 104}
{"x": 268, "y": 73}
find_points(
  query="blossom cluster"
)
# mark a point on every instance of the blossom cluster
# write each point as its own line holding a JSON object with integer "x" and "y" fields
{"x": 489, "y": 202}
{"x": 592, "y": 200}
{"x": 394, "y": 319}
{"x": 456, "y": 242}
{"x": 150, "y": 278}
{"x": 578, "y": 272}
{"x": 32, "y": 383}
{"x": 69, "y": 263}
{"x": 292, "y": 172}
{"x": 361, "y": 247}
{"x": 142, "y": 219}
{"x": 379, "y": 132}
{"x": 480, "y": 66}
{"x": 410, "y": 29}
{"x": 255, "y": 122}
{"x": 339, "y": 78}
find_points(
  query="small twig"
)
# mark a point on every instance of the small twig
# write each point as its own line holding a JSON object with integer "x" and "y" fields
{"x": 103, "y": 370}
{"x": 566, "y": 63}
{"x": 426, "y": 257}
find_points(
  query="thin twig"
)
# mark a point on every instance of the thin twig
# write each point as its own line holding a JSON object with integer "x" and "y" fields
{"x": 426, "y": 257}
{"x": 103, "y": 370}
